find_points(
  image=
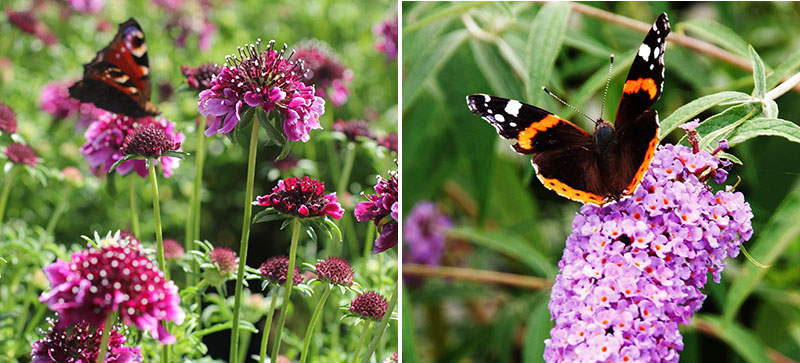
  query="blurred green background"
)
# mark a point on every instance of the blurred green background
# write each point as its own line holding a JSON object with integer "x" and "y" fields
{"x": 506, "y": 221}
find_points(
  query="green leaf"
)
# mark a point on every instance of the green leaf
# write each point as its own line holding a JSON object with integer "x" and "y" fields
{"x": 326, "y": 220}
{"x": 759, "y": 75}
{"x": 512, "y": 58}
{"x": 721, "y": 125}
{"x": 267, "y": 216}
{"x": 762, "y": 126}
{"x": 544, "y": 44}
{"x": 496, "y": 71}
{"x": 175, "y": 154}
{"x": 788, "y": 67}
{"x": 310, "y": 231}
{"x": 124, "y": 159}
{"x": 536, "y": 331}
{"x": 780, "y": 231}
{"x": 509, "y": 244}
{"x": 287, "y": 147}
{"x": 694, "y": 108}
{"x": 408, "y": 332}
{"x": 718, "y": 34}
{"x": 429, "y": 62}
{"x": 745, "y": 342}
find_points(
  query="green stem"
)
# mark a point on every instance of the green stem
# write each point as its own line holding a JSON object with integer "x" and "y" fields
{"x": 287, "y": 288}
{"x": 364, "y": 333}
{"x": 265, "y": 335}
{"x": 6, "y": 189}
{"x": 132, "y": 196}
{"x": 248, "y": 213}
{"x": 101, "y": 356}
{"x": 162, "y": 264}
{"x": 368, "y": 242}
{"x": 344, "y": 178}
{"x": 198, "y": 177}
{"x": 382, "y": 326}
{"x": 314, "y": 320}
{"x": 60, "y": 209}
{"x": 244, "y": 343}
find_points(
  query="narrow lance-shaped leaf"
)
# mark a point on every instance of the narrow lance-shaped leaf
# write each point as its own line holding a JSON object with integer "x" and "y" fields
{"x": 694, "y": 108}
{"x": 544, "y": 44}
{"x": 759, "y": 74}
{"x": 765, "y": 127}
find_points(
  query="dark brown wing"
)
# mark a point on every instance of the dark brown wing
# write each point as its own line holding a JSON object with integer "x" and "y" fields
{"x": 118, "y": 79}
{"x": 636, "y": 146}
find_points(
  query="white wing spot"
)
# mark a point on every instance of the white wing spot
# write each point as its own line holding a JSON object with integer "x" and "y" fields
{"x": 512, "y": 107}
{"x": 486, "y": 98}
{"x": 512, "y": 124}
{"x": 644, "y": 52}
{"x": 656, "y": 50}
{"x": 655, "y": 28}
{"x": 651, "y": 66}
{"x": 499, "y": 118}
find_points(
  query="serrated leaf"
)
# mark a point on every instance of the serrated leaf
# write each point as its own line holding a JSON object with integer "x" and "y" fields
{"x": 765, "y": 127}
{"x": 544, "y": 44}
{"x": 759, "y": 74}
{"x": 718, "y": 34}
{"x": 429, "y": 62}
{"x": 496, "y": 71}
{"x": 694, "y": 108}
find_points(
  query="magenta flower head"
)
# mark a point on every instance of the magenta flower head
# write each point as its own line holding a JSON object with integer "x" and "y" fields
{"x": 389, "y": 141}
{"x": 116, "y": 276}
{"x": 150, "y": 141}
{"x": 369, "y": 305}
{"x": 87, "y": 6}
{"x": 335, "y": 270}
{"x": 261, "y": 79}
{"x": 8, "y": 120}
{"x": 172, "y": 249}
{"x": 199, "y": 78}
{"x": 392, "y": 358}
{"x": 381, "y": 208}
{"x": 28, "y": 23}
{"x": 424, "y": 234}
{"x": 386, "y": 32}
{"x": 633, "y": 270}
{"x": 225, "y": 259}
{"x": 21, "y": 154}
{"x": 106, "y": 136}
{"x": 81, "y": 344}
{"x": 54, "y": 99}
{"x": 353, "y": 130}
{"x": 303, "y": 198}
{"x": 274, "y": 270}
{"x": 324, "y": 70}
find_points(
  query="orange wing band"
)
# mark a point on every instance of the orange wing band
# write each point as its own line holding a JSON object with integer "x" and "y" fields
{"x": 644, "y": 84}
{"x": 570, "y": 192}
{"x": 525, "y": 136}
{"x": 648, "y": 157}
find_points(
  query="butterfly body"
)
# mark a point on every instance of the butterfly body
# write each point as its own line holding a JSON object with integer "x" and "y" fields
{"x": 596, "y": 168}
{"x": 118, "y": 79}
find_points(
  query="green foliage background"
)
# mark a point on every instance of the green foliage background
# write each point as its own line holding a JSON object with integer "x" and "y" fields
{"x": 505, "y": 220}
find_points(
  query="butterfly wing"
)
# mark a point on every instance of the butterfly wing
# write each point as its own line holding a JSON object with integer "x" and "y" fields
{"x": 563, "y": 153}
{"x": 118, "y": 79}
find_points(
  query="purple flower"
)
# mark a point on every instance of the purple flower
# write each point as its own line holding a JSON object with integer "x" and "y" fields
{"x": 54, "y": 99}
{"x": 335, "y": 270}
{"x": 369, "y": 305}
{"x": 87, "y": 6}
{"x": 225, "y": 259}
{"x": 199, "y": 78}
{"x": 8, "y": 120}
{"x": 632, "y": 270}
{"x": 28, "y": 23}
{"x": 275, "y": 269}
{"x": 302, "y": 197}
{"x": 172, "y": 249}
{"x": 150, "y": 141}
{"x": 115, "y": 277}
{"x": 324, "y": 70}
{"x": 353, "y": 129}
{"x": 381, "y": 208}
{"x": 265, "y": 79}
{"x": 387, "y": 33}
{"x": 105, "y": 137}
{"x": 81, "y": 344}
{"x": 389, "y": 141}
{"x": 424, "y": 234}
{"x": 21, "y": 154}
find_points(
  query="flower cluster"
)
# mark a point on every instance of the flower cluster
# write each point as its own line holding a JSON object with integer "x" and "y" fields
{"x": 369, "y": 305}
{"x": 632, "y": 270}
{"x": 335, "y": 270}
{"x": 150, "y": 141}
{"x": 387, "y": 33}
{"x": 324, "y": 70}
{"x": 87, "y": 6}
{"x": 199, "y": 78}
{"x": 302, "y": 197}
{"x": 172, "y": 249}
{"x": 265, "y": 79}
{"x": 225, "y": 259}
{"x": 105, "y": 138}
{"x": 28, "y": 23}
{"x": 353, "y": 129}
{"x": 275, "y": 270}
{"x": 381, "y": 208}
{"x": 21, "y": 154}
{"x": 114, "y": 277}
{"x": 8, "y": 120}
{"x": 424, "y": 234}
{"x": 81, "y": 344}
{"x": 54, "y": 99}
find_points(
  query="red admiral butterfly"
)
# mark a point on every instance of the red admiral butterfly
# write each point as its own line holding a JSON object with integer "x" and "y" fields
{"x": 118, "y": 79}
{"x": 599, "y": 168}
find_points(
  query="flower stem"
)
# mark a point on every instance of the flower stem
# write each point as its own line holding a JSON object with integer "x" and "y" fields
{"x": 248, "y": 213}
{"x": 134, "y": 214}
{"x": 344, "y": 178}
{"x": 198, "y": 177}
{"x": 109, "y": 323}
{"x": 364, "y": 333}
{"x": 6, "y": 189}
{"x": 267, "y": 326}
{"x": 162, "y": 264}
{"x": 368, "y": 242}
{"x": 314, "y": 320}
{"x": 287, "y": 288}
{"x": 60, "y": 208}
{"x": 382, "y": 326}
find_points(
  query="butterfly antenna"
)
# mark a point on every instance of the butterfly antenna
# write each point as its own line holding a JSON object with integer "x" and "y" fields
{"x": 608, "y": 80}
{"x": 567, "y": 104}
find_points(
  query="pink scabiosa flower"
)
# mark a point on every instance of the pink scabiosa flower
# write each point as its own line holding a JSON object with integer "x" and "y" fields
{"x": 81, "y": 344}
{"x": 633, "y": 270}
{"x": 386, "y": 32}
{"x": 324, "y": 70}
{"x": 21, "y": 154}
{"x": 369, "y": 305}
{"x": 302, "y": 198}
{"x": 225, "y": 259}
{"x": 389, "y": 141}
{"x": 267, "y": 80}
{"x": 150, "y": 141}
{"x": 106, "y": 136}
{"x": 353, "y": 130}
{"x": 27, "y": 22}
{"x": 8, "y": 120}
{"x": 381, "y": 208}
{"x": 335, "y": 270}
{"x": 424, "y": 234}
{"x": 199, "y": 78}
{"x": 392, "y": 358}
{"x": 116, "y": 276}
{"x": 172, "y": 249}
{"x": 274, "y": 270}
{"x": 87, "y": 6}
{"x": 54, "y": 99}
